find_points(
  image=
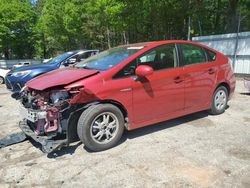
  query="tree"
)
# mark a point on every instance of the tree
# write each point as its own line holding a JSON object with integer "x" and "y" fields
{"x": 52, "y": 26}
{"x": 50, "y": 29}
{"x": 17, "y": 20}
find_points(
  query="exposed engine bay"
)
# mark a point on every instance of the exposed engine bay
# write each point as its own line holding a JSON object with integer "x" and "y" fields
{"x": 43, "y": 111}
{"x": 46, "y": 115}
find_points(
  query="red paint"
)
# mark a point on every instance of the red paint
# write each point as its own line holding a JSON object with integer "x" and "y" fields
{"x": 155, "y": 97}
{"x": 144, "y": 70}
{"x": 59, "y": 77}
{"x": 51, "y": 121}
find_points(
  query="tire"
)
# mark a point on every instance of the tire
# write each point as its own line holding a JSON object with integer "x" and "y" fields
{"x": 1, "y": 80}
{"x": 219, "y": 101}
{"x": 100, "y": 127}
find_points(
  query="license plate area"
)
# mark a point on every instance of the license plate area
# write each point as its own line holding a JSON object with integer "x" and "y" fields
{"x": 31, "y": 115}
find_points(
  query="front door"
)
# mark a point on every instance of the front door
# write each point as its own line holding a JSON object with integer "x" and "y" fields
{"x": 162, "y": 93}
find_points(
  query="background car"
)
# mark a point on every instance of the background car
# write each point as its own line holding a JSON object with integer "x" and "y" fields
{"x": 127, "y": 87}
{"x": 3, "y": 73}
{"x": 21, "y": 64}
{"x": 17, "y": 78}
{"x": 46, "y": 60}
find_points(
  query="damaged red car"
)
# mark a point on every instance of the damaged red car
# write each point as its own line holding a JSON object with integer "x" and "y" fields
{"x": 126, "y": 87}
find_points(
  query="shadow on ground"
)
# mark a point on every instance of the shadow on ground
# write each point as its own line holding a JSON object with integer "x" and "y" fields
{"x": 58, "y": 153}
{"x": 129, "y": 134}
{"x": 159, "y": 126}
{"x": 245, "y": 93}
{"x": 163, "y": 125}
{"x": 64, "y": 151}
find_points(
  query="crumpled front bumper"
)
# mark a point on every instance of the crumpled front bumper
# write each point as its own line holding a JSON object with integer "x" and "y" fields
{"x": 49, "y": 144}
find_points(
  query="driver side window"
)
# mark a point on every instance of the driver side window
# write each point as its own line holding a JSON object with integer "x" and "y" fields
{"x": 162, "y": 57}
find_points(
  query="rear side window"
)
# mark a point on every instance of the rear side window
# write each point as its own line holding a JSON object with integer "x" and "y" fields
{"x": 192, "y": 54}
{"x": 210, "y": 55}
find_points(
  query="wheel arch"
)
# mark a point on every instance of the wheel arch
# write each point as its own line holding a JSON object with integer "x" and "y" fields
{"x": 226, "y": 85}
{"x": 118, "y": 105}
{"x": 75, "y": 115}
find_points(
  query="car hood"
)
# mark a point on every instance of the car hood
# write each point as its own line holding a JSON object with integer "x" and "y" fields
{"x": 59, "y": 77}
{"x": 33, "y": 67}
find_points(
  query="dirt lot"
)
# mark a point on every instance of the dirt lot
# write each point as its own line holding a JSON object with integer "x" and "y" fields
{"x": 198, "y": 150}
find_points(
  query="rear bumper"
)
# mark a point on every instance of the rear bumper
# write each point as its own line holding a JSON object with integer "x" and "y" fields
{"x": 49, "y": 144}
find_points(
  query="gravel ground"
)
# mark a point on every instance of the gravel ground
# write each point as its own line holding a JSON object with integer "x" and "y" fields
{"x": 198, "y": 150}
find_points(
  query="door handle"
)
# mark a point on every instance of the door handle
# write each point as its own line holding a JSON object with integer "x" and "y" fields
{"x": 178, "y": 79}
{"x": 211, "y": 71}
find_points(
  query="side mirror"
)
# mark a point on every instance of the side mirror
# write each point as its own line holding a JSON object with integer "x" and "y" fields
{"x": 144, "y": 70}
{"x": 66, "y": 63}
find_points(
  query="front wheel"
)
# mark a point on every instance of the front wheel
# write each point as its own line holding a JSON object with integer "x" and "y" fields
{"x": 100, "y": 126}
{"x": 219, "y": 102}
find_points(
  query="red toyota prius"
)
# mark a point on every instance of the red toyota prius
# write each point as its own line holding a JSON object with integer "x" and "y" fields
{"x": 126, "y": 87}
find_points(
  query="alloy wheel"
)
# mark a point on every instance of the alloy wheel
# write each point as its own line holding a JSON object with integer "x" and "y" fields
{"x": 220, "y": 100}
{"x": 104, "y": 128}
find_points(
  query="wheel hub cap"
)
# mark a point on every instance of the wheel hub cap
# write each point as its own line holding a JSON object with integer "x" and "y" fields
{"x": 104, "y": 128}
{"x": 220, "y": 99}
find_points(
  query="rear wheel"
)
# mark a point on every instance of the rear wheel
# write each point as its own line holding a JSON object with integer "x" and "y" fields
{"x": 100, "y": 127}
{"x": 1, "y": 80}
{"x": 220, "y": 99}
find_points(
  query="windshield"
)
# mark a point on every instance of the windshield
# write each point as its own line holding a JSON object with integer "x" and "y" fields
{"x": 109, "y": 58}
{"x": 60, "y": 58}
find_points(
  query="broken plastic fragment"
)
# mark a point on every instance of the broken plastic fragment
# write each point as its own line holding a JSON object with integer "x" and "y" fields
{"x": 12, "y": 139}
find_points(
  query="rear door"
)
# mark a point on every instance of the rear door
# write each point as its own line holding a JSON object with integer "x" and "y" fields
{"x": 200, "y": 75}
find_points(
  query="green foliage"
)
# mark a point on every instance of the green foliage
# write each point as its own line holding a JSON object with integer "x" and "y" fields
{"x": 17, "y": 20}
{"x": 49, "y": 27}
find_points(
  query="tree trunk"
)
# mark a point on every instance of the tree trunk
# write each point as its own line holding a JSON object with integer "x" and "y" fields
{"x": 108, "y": 35}
{"x": 124, "y": 37}
{"x": 6, "y": 54}
{"x": 231, "y": 20}
{"x": 217, "y": 17}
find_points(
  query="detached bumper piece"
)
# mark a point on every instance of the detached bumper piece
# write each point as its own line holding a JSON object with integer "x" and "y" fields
{"x": 12, "y": 139}
{"x": 48, "y": 143}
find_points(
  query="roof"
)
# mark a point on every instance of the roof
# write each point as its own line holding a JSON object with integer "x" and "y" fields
{"x": 153, "y": 43}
